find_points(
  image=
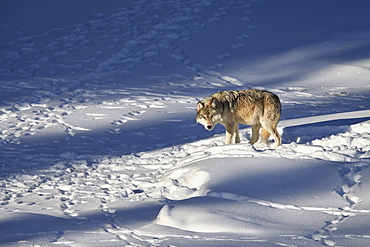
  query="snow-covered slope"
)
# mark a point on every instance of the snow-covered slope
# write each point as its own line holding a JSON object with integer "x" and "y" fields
{"x": 99, "y": 145}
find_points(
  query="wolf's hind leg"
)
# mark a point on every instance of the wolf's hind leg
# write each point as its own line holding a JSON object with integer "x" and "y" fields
{"x": 277, "y": 138}
{"x": 264, "y": 135}
{"x": 255, "y": 133}
{"x": 271, "y": 128}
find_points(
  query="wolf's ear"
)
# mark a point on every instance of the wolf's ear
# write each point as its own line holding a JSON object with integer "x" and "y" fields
{"x": 200, "y": 106}
{"x": 213, "y": 103}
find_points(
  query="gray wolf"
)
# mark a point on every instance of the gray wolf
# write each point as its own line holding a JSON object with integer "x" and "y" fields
{"x": 253, "y": 107}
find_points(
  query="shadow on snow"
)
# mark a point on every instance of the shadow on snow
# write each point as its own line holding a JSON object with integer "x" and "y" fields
{"x": 48, "y": 229}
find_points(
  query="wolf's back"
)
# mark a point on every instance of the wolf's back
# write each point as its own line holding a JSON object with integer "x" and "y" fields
{"x": 270, "y": 102}
{"x": 256, "y": 97}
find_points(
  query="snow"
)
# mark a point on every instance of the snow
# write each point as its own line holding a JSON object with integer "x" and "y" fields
{"x": 99, "y": 145}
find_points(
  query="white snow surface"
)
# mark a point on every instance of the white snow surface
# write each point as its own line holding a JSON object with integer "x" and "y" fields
{"x": 99, "y": 145}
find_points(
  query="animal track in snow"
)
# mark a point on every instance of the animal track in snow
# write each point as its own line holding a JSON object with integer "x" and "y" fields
{"x": 223, "y": 56}
{"x": 237, "y": 46}
{"x": 243, "y": 37}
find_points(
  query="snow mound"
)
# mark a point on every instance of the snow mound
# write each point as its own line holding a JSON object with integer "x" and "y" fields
{"x": 211, "y": 214}
{"x": 185, "y": 183}
{"x": 239, "y": 189}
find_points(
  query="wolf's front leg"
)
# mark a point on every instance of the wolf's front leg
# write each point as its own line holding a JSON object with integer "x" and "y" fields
{"x": 237, "y": 136}
{"x": 231, "y": 134}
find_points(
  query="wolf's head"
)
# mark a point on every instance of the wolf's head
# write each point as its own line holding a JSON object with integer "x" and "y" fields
{"x": 208, "y": 113}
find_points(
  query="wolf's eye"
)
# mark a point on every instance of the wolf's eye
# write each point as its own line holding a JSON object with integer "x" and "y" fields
{"x": 211, "y": 116}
